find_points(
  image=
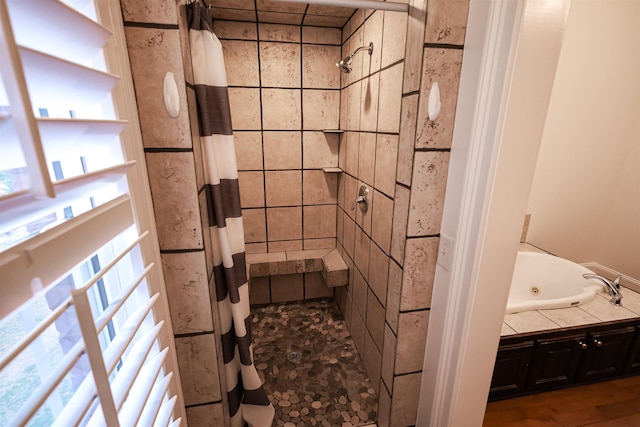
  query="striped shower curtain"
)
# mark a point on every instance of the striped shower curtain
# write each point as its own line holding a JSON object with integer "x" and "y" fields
{"x": 248, "y": 402}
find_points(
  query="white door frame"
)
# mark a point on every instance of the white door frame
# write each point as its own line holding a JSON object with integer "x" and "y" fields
{"x": 511, "y": 54}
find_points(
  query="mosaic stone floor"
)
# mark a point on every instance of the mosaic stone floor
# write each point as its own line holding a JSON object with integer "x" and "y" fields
{"x": 310, "y": 367}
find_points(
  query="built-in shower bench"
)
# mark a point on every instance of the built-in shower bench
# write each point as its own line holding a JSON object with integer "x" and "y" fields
{"x": 328, "y": 261}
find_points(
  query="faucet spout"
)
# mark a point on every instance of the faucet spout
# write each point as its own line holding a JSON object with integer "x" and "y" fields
{"x": 612, "y": 286}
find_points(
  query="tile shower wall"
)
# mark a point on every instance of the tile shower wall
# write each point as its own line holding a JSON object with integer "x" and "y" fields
{"x": 391, "y": 147}
{"x": 284, "y": 91}
{"x": 156, "y": 41}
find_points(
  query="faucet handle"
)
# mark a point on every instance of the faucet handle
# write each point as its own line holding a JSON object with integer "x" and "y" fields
{"x": 616, "y": 282}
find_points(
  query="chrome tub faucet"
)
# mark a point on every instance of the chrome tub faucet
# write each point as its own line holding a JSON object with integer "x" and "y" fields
{"x": 612, "y": 286}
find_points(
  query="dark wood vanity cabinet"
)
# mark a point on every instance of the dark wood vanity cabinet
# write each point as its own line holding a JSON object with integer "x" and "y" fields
{"x": 531, "y": 363}
{"x": 606, "y": 354}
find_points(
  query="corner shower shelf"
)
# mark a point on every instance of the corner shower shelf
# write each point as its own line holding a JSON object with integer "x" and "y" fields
{"x": 331, "y": 170}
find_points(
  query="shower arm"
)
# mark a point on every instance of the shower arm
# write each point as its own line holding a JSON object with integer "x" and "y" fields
{"x": 369, "y": 48}
{"x": 344, "y": 65}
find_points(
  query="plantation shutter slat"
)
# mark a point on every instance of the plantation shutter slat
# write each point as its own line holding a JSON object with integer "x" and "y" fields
{"x": 62, "y": 31}
{"x": 154, "y": 401}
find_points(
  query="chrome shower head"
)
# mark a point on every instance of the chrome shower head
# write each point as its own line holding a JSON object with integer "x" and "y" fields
{"x": 345, "y": 64}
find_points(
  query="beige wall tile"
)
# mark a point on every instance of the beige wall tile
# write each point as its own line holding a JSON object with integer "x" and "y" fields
{"x": 394, "y": 37}
{"x": 446, "y": 21}
{"x": 352, "y": 142}
{"x": 195, "y": 137}
{"x": 406, "y": 143}
{"x": 360, "y": 291}
{"x": 349, "y": 235}
{"x": 378, "y": 272}
{"x": 315, "y": 9}
{"x": 412, "y": 338}
{"x": 281, "y": 109}
{"x": 319, "y": 187}
{"x": 283, "y": 188}
{"x": 319, "y": 150}
{"x": 324, "y": 21}
{"x": 251, "y": 189}
{"x": 206, "y": 233}
{"x": 442, "y": 66}
{"x": 361, "y": 258}
{"x": 375, "y": 319}
{"x": 404, "y": 406}
{"x": 367, "y": 158}
{"x": 321, "y": 109}
{"x": 388, "y": 357}
{"x": 419, "y": 271}
{"x": 233, "y": 14}
{"x": 235, "y": 30}
{"x": 236, "y": 4}
{"x": 314, "y": 286}
{"x": 287, "y": 288}
{"x": 390, "y": 99}
{"x": 285, "y": 245}
{"x": 427, "y": 193}
{"x": 329, "y": 243}
{"x": 372, "y": 360}
{"x": 276, "y": 6}
{"x": 381, "y": 221}
{"x": 350, "y": 195}
{"x": 284, "y": 223}
{"x": 393, "y": 295}
{"x": 279, "y": 33}
{"x": 356, "y": 41}
{"x": 344, "y": 110}
{"x": 210, "y": 415}
{"x": 280, "y": 18}
{"x": 341, "y": 184}
{"x": 384, "y": 407}
{"x": 386, "y": 158}
{"x": 373, "y": 34}
{"x": 248, "y": 150}
{"x": 245, "y": 108}
{"x": 255, "y": 248}
{"x": 319, "y": 221}
{"x": 400, "y": 218}
{"x": 187, "y": 286}
{"x": 354, "y": 97}
{"x": 321, "y": 35}
{"x": 154, "y": 52}
{"x": 241, "y": 62}
{"x": 137, "y": 11}
{"x": 255, "y": 227}
{"x": 414, "y": 46}
{"x": 369, "y": 113}
{"x": 198, "y": 368}
{"x": 358, "y": 329}
{"x": 282, "y": 150}
{"x": 280, "y": 64}
{"x": 175, "y": 200}
{"x": 259, "y": 292}
{"x": 319, "y": 66}
{"x": 357, "y": 19}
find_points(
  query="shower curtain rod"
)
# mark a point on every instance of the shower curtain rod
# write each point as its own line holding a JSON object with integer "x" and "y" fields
{"x": 358, "y": 4}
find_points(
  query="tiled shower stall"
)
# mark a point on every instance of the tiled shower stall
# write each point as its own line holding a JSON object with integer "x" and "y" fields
{"x": 285, "y": 91}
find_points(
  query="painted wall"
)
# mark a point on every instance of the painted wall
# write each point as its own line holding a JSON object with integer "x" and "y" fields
{"x": 585, "y": 200}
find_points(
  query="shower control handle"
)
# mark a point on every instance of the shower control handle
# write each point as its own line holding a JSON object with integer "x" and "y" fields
{"x": 363, "y": 197}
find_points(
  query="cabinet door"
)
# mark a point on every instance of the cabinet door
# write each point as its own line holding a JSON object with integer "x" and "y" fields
{"x": 606, "y": 354}
{"x": 555, "y": 362}
{"x": 633, "y": 364}
{"x": 510, "y": 371}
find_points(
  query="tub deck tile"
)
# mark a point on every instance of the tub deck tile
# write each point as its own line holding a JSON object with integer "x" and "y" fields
{"x": 631, "y": 300}
{"x": 529, "y": 321}
{"x": 506, "y": 330}
{"x": 572, "y": 316}
{"x": 603, "y": 310}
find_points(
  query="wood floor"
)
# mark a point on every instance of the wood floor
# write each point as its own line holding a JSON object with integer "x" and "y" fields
{"x": 612, "y": 403}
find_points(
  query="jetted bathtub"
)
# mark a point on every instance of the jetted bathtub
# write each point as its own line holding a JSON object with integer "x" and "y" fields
{"x": 542, "y": 281}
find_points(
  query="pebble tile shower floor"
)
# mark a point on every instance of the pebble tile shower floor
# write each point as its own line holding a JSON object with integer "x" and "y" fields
{"x": 309, "y": 365}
